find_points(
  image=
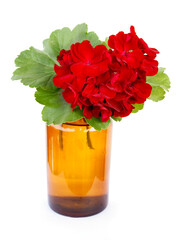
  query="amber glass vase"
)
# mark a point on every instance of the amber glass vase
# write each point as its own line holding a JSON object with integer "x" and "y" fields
{"x": 78, "y": 160}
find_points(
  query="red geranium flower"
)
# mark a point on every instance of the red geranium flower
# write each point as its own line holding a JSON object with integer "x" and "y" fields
{"x": 133, "y": 51}
{"x": 89, "y": 61}
{"x": 105, "y": 83}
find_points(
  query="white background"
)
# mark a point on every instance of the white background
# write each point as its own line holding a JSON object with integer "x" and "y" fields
{"x": 145, "y": 168}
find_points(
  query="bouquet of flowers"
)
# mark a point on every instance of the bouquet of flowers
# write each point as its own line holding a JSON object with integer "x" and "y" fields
{"x": 78, "y": 76}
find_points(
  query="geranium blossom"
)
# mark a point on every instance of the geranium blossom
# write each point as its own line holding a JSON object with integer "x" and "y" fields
{"x": 105, "y": 83}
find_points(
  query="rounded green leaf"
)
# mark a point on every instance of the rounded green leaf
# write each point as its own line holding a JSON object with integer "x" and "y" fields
{"x": 97, "y": 123}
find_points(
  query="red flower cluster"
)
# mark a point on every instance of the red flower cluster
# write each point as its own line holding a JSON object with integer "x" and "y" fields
{"x": 105, "y": 83}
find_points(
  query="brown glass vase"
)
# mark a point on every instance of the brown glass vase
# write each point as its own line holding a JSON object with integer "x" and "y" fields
{"x": 78, "y": 160}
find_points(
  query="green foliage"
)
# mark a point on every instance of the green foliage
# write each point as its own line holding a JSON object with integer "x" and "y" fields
{"x": 61, "y": 114}
{"x": 105, "y": 43}
{"x": 137, "y": 107}
{"x": 117, "y": 119}
{"x": 50, "y": 98}
{"x": 97, "y": 123}
{"x": 56, "y": 110}
{"x": 160, "y": 84}
{"x": 35, "y": 69}
{"x": 157, "y": 94}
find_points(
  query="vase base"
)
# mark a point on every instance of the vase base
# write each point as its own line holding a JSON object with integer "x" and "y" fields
{"x": 78, "y": 206}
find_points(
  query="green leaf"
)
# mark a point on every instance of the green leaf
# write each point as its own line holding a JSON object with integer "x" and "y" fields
{"x": 161, "y": 79}
{"x": 160, "y": 84}
{"x": 59, "y": 39}
{"x": 157, "y": 94}
{"x": 137, "y": 107}
{"x": 61, "y": 114}
{"x": 56, "y": 110}
{"x": 50, "y": 98}
{"x": 97, "y": 123}
{"x": 64, "y": 38}
{"x": 35, "y": 69}
{"x": 93, "y": 38}
{"x": 117, "y": 119}
{"x": 105, "y": 43}
{"x": 80, "y": 33}
{"x": 50, "y": 50}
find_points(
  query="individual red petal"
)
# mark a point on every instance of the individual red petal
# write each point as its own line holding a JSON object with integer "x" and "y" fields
{"x": 141, "y": 74}
{"x": 84, "y": 70}
{"x": 105, "y": 114}
{"x": 96, "y": 98}
{"x": 88, "y": 89}
{"x": 119, "y": 41}
{"x": 83, "y": 101}
{"x": 125, "y": 109}
{"x": 60, "y": 71}
{"x": 57, "y": 68}
{"x": 115, "y": 78}
{"x": 136, "y": 99}
{"x": 100, "y": 51}
{"x": 133, "y": 100}
{"x": 63, "y": 81}
{"x": 78, "y": 83}
{"x": 114, "y": 105}
{"x": 150, "y": 66}
{"x": 78, "y": 51}
{"x": 97, "y": 69}
{"x": 132, "y": 30}
{"x": 106, "y": 92}
{"x": 70, "y": 95}
{"x": 121, "y": 96}
{"x": 57, "y": 81}
{"x": 100, "y": 68}
{"x": 67, "y": 59}
{"x": 131, "y": 42}
{"x": 83, "y": 52}
{"x": 122, "y": 114}
{"x": 133, "y": 76}
{"x": 134, "y": 58}
{"x": 86, "y": 50}
{"x": 143, "y": 90}
{"x": 111, "y": 41}
{"x": 117, "y": 86}
{"x": 96, "y": 111}
{"x": 103, "y": 78}
{"x": 64, "y": 57}
{"x": 76, "y": 57}
{"x": 143, "y": 45}
{"x": 151, "y": 52}
{"x": 115, "y": 66}
{"x": 78, "y": 69}
{"x": 87, "y": 112}
{"x": 120, "y": 80}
